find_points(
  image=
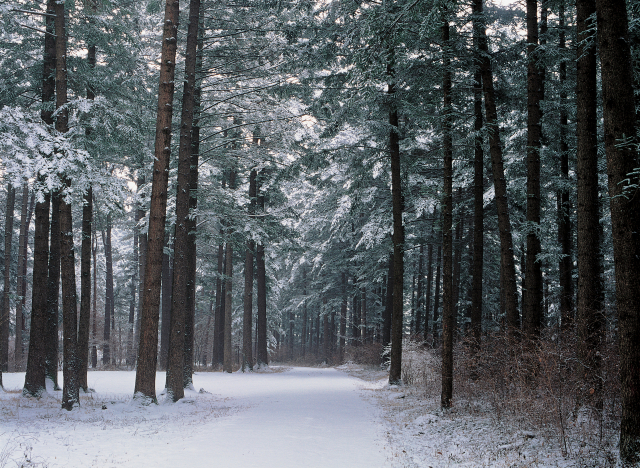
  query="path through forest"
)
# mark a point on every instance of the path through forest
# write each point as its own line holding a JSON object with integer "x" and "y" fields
{"x": 298, "y": 417}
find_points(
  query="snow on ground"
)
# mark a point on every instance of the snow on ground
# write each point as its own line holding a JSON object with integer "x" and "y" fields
{"x": 422, "y": 435}
{"x": 302, "y": 417}
{"x": 287, "y": 417}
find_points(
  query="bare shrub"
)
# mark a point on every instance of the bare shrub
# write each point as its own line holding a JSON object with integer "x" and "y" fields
{"x": 370, "y": 354}
{"x": 538, "y": 384}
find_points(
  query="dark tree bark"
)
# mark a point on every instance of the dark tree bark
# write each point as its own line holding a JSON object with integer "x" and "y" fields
{"x": 109, "y": 293}
{"x": 192, "y": 223}
{"x": 565, "y": 236}
{"x": 590, "y": 313}
{"x": 34, "y": 383}
{"x": 386, "y": 316}
{"x": 509, "y": 287}
{"x": 167, "y": 289}
{"x": 6, "y": 304}
{"x": 131, "y": 351}
{"x": 532, "y": 307}
{"x": 428, "y": 288}
{"x": 227, "y": 365}
{"x": 363, "y": 316}
{"x": 85, "y": 290}
{"x": 53, "y": 292}
{"x": 447, "y": 221}
{"x": 142, "y": 261}
{"x": 343, "y": 317}
{"x": 436, "y": 296}
{"x": 305, "y": 318}
{"x": 148, "y": 348}
{"x": 420, "y": 295}
{"x": 94, "y": 306}
{"x": 395, "y": 368}
{"x": 247, "y": 318}
{"x": 624, "y": 177}
{"x": 261, "y": 283}
{"x": 21, "y": 279}
{"x": 478, "y": 194}
{"x": 457, "y": 257}
{"x": 85, "y": 262}
{"x": 326, "y": 334}
{"x": 218, "y": 320}
{"x": 21, "y": 288}
{"x": 181, "y": 319}
{"x": 70, "y": 389}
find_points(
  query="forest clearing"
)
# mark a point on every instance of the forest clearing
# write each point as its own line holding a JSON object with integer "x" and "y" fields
{"x": 281, "y": 417}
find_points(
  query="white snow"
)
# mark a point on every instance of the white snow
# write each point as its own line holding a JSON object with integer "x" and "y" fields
{"x": 281, "y": 417}
{"x": 300, "y": 417}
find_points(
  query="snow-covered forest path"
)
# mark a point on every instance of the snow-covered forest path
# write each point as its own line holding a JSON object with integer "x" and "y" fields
{"x": 300, "y": 417}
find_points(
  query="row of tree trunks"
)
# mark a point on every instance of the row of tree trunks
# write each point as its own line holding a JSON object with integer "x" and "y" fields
{"x": 70, "y": 388}
{"x": 181, "y": 321}
{"x": 35, "y": 373}
{"x": 508, "y": 270}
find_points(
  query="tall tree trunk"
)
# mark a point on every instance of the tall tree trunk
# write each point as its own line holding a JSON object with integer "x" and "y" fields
{"x": 247, "y": 319}
{"x": 624, "y": 177}
{"x": 6, "y": 304}
{"x": 53, "y": 293}
{"x": 227, "y": 365}
{"x": 532, "y": 307}
{"x": 343, "y": 317}
{"x": 218, "y": 320}
{"x": 180, "y": 314}
{"x": 131, "y": 351}
{"x": 363, "y": 316}
{"x": 34, "y": 383}
{"x": 192, "y": 223}
{"x": 395, "y": 368}
{"x": 420, "y": 294}
{"x": 85, "y": 290}
{"x": 150, "y": 313}
{"x": 478, "y": 194}
{"x": 565, "y": 266}
{"x": 499, "y": 182}
{"x": 85, "y": 261}
{"x": 326, "y": 334}
{"x": 109, "y": 293}
{"x": 427, "y": 301}
{"x": 142, "y": 259}
{"x": 436, "y": 296}
{"x": 589, "y": 310}
{"x": 447, "y": 221}
{"x": 261, "y": 283}
{"x": 167, "y": 290}
{"x": 22, "y": 277}
{"x": 457, "y": 258}
{"x": 94, "y": 305}
{"x": 70, "y": 389}
{"x": 305, "y": 318}
{"x": 386, "y": 316}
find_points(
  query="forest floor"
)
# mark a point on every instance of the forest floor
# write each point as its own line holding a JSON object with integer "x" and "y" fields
{"x": 282, "y": 417}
